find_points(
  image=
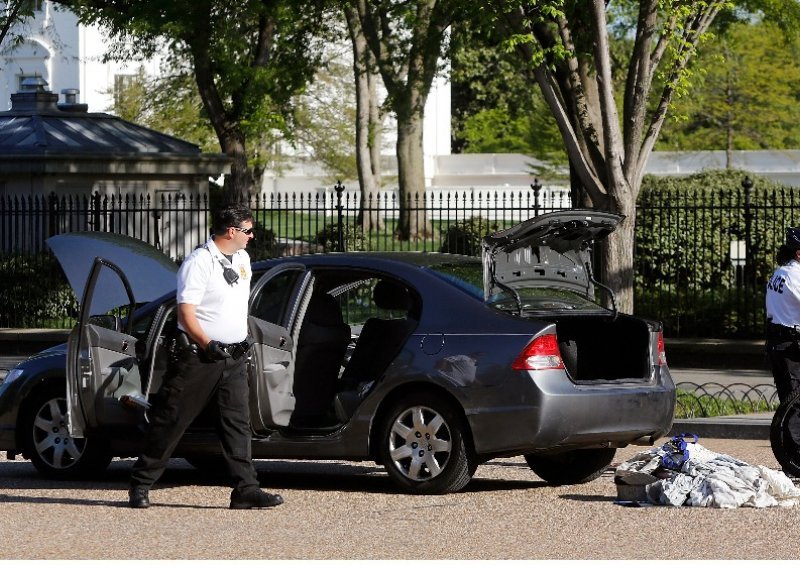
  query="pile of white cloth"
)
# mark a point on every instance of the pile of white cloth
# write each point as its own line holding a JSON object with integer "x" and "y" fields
{"x": 709, "y": 479}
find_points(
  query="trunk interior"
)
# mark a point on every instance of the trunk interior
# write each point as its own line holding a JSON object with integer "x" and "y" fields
{"x": 602, "y": 349}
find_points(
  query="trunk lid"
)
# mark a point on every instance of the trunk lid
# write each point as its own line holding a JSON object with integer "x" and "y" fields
{"x": 548, "y": 251}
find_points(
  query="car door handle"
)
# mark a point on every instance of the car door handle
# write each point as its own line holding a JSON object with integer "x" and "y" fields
{"x": 282, "y": 342}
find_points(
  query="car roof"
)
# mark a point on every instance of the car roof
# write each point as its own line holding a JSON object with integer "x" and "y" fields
{"x": 370, "y": 259}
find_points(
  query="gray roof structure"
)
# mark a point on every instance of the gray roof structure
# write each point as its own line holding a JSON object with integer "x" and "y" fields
{"x": 40, "y": 135}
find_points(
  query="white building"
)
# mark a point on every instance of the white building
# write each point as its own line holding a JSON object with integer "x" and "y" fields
{"x": 68, "y": 55}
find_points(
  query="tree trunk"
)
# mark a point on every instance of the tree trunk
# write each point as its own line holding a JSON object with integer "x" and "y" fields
{"x": 616, "y": 251}
{"x": 240, "y": 181}
{"x": 368, "y": 137}
{"x": 413, "y": 221}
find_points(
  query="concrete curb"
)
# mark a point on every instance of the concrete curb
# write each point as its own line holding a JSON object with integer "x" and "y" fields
{"x": 742, "y": 427}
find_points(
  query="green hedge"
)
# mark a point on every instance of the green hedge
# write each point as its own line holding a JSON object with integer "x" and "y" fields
{"x": 35, "y": 293}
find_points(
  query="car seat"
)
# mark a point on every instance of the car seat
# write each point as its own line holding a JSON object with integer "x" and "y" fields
{"x": 321, "y": 348}
{"x": 379, "y": 343}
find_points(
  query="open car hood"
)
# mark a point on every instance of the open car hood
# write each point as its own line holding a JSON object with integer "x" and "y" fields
{"x": 150, "y": 272}
{"x": 551, "y": 250}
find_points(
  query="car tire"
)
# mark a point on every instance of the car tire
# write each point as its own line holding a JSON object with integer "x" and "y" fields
{"x": 784, "y": 446}
{"x": 572, "y": 466}
{"x": 423, "y": 446}
{"x": 46, "y": 441}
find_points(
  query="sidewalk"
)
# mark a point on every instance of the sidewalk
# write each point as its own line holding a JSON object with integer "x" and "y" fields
{"x": 17, "y": 344}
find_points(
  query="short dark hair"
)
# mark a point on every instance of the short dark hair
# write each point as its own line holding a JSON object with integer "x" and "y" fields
{"x": 230, "y": 216}
{"x": 786, "y": 254}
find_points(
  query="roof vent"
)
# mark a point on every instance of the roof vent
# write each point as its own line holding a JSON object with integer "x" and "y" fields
{"x": 33, "y": 96}
{"x": 71, "y": 103}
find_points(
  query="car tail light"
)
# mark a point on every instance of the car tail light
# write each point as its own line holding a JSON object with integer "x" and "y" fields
{"x": 662, "y": 352}
{"x": 540, "y": 354}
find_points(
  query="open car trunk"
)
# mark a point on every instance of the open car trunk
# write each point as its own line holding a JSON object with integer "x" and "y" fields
{"x": 604, "y": 349}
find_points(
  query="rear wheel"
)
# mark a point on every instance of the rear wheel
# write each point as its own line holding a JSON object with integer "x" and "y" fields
{"x": 422, "y": 445}
{"x": 572, "y": 466}
{"x": 47, "y": 443}
{"x": 784, "y": 434}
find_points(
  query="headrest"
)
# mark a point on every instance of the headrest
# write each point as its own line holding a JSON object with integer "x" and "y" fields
{"x": 390, "y": 295}
{"x": 323, "y": 309}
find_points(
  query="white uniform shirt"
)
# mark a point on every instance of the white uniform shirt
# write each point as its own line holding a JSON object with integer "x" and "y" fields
{"x": 221, "y": 307}
{"x": 783, "y": 295}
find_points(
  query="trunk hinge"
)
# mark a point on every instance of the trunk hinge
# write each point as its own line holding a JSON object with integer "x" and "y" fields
{"x": 599, "y": 284}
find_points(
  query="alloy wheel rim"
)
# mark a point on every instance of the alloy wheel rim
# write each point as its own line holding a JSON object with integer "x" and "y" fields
{"x": 51, "y": 438}
{"x": 420, "y": 443}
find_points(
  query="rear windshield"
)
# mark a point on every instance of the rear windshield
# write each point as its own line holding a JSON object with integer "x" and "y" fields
{"x": 468, "y": 276}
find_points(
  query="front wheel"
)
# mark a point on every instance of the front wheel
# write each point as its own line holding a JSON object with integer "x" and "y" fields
{"x": 47, "y": 443}
{"x": 572, "y": 466}
{"x": 784, "y": 434}
{"x": 422, "y": 445}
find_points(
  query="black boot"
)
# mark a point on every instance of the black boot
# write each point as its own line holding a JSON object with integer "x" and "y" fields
{"x": 138, "y": 497}
{"x": 254, "y": 499}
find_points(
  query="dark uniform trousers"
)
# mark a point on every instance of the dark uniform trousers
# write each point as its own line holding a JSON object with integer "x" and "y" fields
{"x": 189, "y": 386}
{"x": 783, "y": 349}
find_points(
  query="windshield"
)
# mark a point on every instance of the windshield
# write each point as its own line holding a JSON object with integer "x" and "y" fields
{"x": 468, "y": 276}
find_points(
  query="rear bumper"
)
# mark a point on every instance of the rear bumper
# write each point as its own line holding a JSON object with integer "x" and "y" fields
{"x": 554, "y": 412}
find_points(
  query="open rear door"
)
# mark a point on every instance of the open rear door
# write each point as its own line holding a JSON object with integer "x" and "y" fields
{"x": 104, "y": 387}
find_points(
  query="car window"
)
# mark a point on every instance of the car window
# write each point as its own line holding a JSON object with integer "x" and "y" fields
{"x": 273, "y": 299}
{"x": 357, "y": 303}
{"x": 467, "y": 276}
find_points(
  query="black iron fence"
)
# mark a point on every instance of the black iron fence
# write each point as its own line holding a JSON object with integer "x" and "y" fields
{"x": 34, "y": 291}
{"x": 701, "y": 256}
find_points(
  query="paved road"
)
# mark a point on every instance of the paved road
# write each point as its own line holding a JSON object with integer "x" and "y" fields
{"x": 344, "y": 510}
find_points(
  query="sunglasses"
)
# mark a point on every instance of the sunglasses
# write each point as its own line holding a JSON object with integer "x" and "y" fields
{"x": 245, "y": 231}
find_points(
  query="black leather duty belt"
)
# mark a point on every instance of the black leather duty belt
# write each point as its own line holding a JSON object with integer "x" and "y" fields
{"x": 235, "y": 350}
{"x": 776, "y": 331}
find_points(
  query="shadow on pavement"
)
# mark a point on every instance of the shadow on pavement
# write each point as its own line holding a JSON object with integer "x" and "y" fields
{"x": 272, "y": 474}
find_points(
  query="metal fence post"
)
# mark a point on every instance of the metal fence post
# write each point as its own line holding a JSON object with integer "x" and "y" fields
{"x": 340, "y": 215}
{"x": 536, "y": 187}
{"x": 747, "y": 184}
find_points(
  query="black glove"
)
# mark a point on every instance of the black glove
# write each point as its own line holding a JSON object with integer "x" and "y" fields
{"x": 215, "y": 352}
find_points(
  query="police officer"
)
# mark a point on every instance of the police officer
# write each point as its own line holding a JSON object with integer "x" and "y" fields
{"x": 208, "y": 362}
{"x": 783, "y": 316}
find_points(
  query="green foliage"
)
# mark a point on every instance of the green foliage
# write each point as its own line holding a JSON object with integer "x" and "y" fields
{"x": 249, "y": 58}
{"x": 34, "y": 292}
{"x": 691, "y": 405}
{"x": 495, "y": 107}
{"x": 353, "y": 236}
{"x": 325, "y": 115}
{"x": 168, "y": 103}
{"x": 464, "y": 237}
{"x": 745, "y": 95}
{"x": 13, "y": 14}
